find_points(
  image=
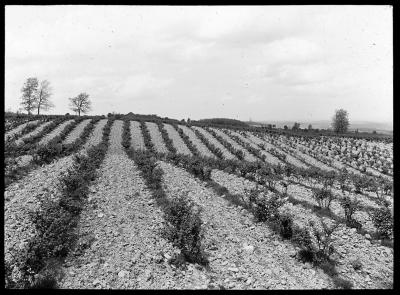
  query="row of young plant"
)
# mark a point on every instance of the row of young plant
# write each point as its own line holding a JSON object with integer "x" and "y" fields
{"x": 168, "y": 142}
{"x": 324, "y": 196}
{"x": 277, "y": 153}
{"x": 274, "y": 174}
{"x": 346, "y": 179}
{"x": 255, "y": 152}
{"x": 12, "y": 149}
{"x": 44, "y": 154}
{"x": 12, "y": 123}
{"x": 201, "y": 168}
{"x": 187, "y": 140}
{"x": 361, "y": 183}
{"x": 25, "y": 130}
{"x": 352, "y": 155}
{"x": 238, "y": 153}
{"x": 55, "y": 223}
{"x": 329, "y": 161}
{"x": 184, "y": 225}
{"x": 271, "y": 175}
{"x": 216, "y": 151}
{"x": 266, "y": 210}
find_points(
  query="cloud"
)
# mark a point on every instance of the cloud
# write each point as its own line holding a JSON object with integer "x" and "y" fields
{"x": 244, "y": 61}
{"x": 141, "y": 85}
{"x": 292, "y": 50}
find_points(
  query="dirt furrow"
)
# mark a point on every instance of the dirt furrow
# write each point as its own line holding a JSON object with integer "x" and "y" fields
{"x": 37, "y": 130}
{"x": 137, "y": 141}
{"x": 54, "y": 133}
{"x": 19, "y": 128}
{"x": 156, "y": 137}
{"x": 247, "y": 156}
{"x": 204, "y": 151}
{"x": 215, "y": 142}
{"x": 76, "y": 132}
{"x": 177, "y": 141}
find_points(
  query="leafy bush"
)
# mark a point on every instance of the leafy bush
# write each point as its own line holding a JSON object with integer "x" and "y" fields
{"x": 361, "y": 183}
{"x": 324, "y": 240}
{"x": 328, "y": 268}
{"x": 126, "y": 135}
{"x": 47, "y": 153}
{"x": 302, "y": 237}
{"x": 55, "y": 237}
{"x": 350, "y": 206}
{"x": 286, "y": 224}
{"x": 323, "y": 197}
{"x": 185, "y": 230}
{"x": 383, "y": 221}
{"x": 342, "y": 283}
{"x": 356, "y": 264}
{"x": 266, "y": 209}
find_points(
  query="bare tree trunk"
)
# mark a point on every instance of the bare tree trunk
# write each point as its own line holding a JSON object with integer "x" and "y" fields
{"x": 79, "y": 113}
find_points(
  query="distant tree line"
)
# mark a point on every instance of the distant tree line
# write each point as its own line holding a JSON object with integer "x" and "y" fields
{"x": 223, "y": 121}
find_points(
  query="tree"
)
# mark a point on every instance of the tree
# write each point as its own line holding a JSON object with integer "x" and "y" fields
{"x": 285, "y": 127}
{"x": 340, "y": 121}
{"x": 80, "y": 103}
{"x": 296, "y": 126}
{"x": 29, "y": 94}
{"x": 310, "y": 127}
{"x": 43, "y": 95}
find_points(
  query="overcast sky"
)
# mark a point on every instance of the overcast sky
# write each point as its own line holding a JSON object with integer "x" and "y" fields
{"x": 258, "y": 62}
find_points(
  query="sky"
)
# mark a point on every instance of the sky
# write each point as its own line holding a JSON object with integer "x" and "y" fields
{"x": 241, "y": 62}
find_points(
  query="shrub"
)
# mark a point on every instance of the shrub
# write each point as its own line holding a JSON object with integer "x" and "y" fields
{"x": 47, "y": 153}
{"x": 324, "y": 240}
{"x": 323, "y": 197}
{"x": 328, "y": 268}
{"x": 286, "y": 224}
{"x": 350, "y": 206}
{"x": 55, "y": 236}
{"x": 126, "y": 135}
{"x": 47, "y": 278}
{"x": 360, "y": 183}
{"x": 356, "y": 264}
{"x": 383, "y": 221}
{"x": 342, "y": 283}
{"x": 266, "y": 209}
{"x": 185, "y": 228}
{"x": 302, "y": 238}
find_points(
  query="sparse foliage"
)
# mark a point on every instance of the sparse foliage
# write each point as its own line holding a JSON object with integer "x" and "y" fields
{"x": 340, "y": 121}
{"x": 80, "y": 104}
{"x": 29, "y": 94}
{"x": 43, "y": 96}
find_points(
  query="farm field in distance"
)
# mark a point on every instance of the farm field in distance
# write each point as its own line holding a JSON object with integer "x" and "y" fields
{"x": 144, "y": 202}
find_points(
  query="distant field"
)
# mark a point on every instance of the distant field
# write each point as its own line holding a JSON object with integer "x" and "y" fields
{"x": 362, "y": 126}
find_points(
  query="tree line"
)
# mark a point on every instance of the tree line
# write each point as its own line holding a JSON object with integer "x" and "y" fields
{"x": 36, "y": 96}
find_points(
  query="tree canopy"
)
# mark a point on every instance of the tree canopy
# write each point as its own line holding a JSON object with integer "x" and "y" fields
{"x": 340, "y": 121}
